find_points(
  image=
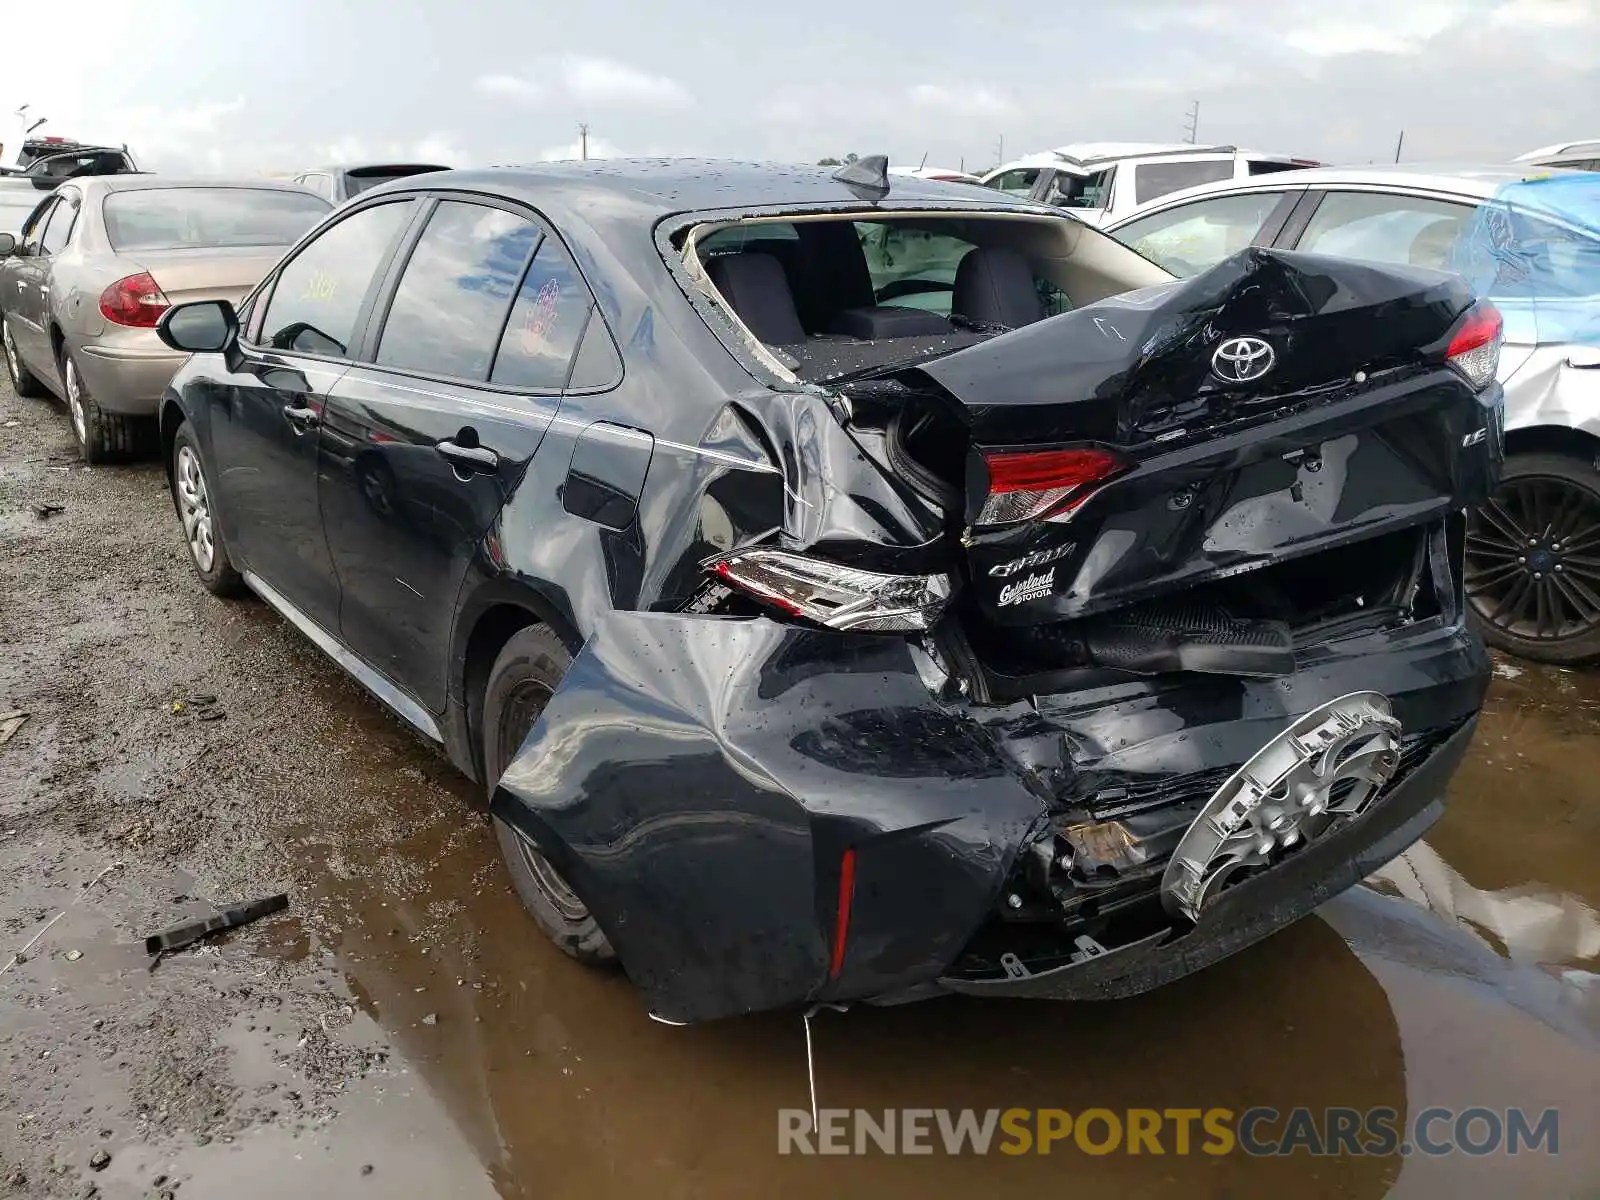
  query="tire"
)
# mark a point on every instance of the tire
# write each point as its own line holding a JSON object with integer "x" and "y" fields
{"x": 1533, "y": 560}
{"x": 23, "y": 381}
{"x": 192, "y": 500}
{"x": 102, "y": 437}
{"x": 524, "y": 676}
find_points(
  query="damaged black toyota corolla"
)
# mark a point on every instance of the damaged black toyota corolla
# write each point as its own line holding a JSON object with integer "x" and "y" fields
{"x": 861, "y": 594}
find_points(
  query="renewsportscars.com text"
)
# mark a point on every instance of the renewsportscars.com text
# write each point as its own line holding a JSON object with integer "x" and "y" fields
{"x": 1179, "y": 1131}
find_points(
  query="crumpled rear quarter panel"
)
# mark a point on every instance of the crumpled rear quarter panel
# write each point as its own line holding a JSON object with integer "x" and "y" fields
{"x": 706, "y": 775}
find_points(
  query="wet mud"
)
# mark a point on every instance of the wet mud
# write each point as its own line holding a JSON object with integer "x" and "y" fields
{"x": 403, "y": 1030}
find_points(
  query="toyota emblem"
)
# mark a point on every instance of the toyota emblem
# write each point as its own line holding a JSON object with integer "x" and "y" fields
{"x": 1242, "y": 359}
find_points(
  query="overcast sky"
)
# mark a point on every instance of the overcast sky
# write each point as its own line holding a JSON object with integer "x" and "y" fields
{"x": 221, "y": 86}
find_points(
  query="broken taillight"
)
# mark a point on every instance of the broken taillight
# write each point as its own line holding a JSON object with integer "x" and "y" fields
{"x": 1475, "y": 346}
{"x": 1026, "y": 485}
{"x": 832, "y": 595}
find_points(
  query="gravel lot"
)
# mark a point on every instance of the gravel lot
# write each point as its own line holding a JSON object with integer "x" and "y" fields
{"x": 402, "y": 1030}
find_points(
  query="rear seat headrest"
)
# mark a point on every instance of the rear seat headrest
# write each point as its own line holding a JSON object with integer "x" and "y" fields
{"x": 994, "y": 286}
{"x": 756, "y": 288}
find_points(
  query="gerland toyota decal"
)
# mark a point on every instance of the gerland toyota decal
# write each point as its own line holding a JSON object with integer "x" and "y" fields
{"x": 1030, "y": 588}
{"x": 1038, "y": 558}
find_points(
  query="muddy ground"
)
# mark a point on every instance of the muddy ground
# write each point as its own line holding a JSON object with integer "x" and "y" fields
{"x": 403, "y": 1031}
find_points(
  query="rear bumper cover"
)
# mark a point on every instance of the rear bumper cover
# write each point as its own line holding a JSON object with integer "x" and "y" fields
{"x": 698, "y": 780}
{"x": 127, "y": 379}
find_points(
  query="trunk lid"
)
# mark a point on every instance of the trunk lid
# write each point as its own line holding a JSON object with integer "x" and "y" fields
{"x": 1356, "y": 427}
{"x": 205, "y": 273}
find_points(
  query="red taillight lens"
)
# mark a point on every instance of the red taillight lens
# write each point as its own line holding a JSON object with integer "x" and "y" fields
{"x": 136, "y": 301}
{"x": 841, "y": 920}
{"x": 1029, "y": 484}
{"x": 1475, "y": 348}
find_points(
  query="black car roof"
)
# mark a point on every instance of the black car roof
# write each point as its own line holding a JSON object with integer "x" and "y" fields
{"x": 676, "y": 185}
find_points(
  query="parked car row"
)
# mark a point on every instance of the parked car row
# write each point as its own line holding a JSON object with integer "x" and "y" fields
{"x": 854, "y": 587}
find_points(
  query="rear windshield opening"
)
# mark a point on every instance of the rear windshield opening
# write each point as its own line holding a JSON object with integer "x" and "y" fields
{"x": 183, "y": 218}
{"x": 847, "y": 296}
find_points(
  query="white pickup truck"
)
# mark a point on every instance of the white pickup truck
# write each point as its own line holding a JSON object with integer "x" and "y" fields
{"x": 43, "y": 165}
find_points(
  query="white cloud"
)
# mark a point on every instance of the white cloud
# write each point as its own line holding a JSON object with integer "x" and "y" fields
{"x": 598, "y": 148}
{"x": 602, "y": 81}
{"x": 1546, "y": 14}
{"x": 586, "y": 80}
{"x": 510, "y": 86}
{"x": 968, "y": 101}
{"x": 1401, "y": 29}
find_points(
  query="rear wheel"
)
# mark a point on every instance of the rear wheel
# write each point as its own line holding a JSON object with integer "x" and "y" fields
{"x": 102, "y": 436}
{"x": 524, "y": 677}
{"x": 23, "y": 381}
{"x": 191, "y": 496}
{"x": 1533, "y": 560}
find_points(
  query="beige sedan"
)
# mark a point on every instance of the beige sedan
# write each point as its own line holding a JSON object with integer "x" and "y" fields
{"x": 100, "y": 260}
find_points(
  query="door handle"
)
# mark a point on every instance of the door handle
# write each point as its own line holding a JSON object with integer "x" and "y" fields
{"x": 470, "y": 458}
{"x": 301, "y": 418}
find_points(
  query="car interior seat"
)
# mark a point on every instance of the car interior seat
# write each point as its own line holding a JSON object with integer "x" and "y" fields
{"x": 756, "y": 288}
{"x": 994, "y": 286}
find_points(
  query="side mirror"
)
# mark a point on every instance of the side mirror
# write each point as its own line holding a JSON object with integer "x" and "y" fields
{"x": 1584, "y": 358}
{"x": 204, "y": 327}
{"x": 8, "y": 244}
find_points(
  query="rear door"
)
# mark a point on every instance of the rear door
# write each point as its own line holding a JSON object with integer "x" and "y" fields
{"x": 263, "y": 422}
{"x": 465, "y": 361}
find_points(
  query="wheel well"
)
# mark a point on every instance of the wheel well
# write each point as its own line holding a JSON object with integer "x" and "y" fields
{"x": 171, "y": 419}
{"x": 1555, "y": 439}
{"x": 489, "y": 636}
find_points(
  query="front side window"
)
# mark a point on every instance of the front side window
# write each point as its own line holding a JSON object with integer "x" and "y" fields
{"x": 1194, "y": 237}
{"x": 1018, "y": 181}
{"x": 1081, "y": 191}
{"x": 546, "y": 322}
{"x": 207, "y": 218}
{"x": 1402, "y": 230}
{"x": 319, "y": 293}
{"x": 451, "y": 303}
{"x": 33, "y": 230}
{"x": 1154, "y": 179}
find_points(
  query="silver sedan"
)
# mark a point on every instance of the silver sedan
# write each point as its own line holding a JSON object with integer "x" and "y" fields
{"x": 100, "y": 260}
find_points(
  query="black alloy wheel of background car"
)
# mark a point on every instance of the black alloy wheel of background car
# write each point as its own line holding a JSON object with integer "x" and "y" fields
{"x": 1533, "y": 560}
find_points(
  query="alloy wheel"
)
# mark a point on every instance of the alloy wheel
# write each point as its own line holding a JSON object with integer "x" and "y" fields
{"x": 194, "y": 508}
{"x": 12, "y": 363}
{"x": 1533, "y": 559}
{"x": 80, "y": 419}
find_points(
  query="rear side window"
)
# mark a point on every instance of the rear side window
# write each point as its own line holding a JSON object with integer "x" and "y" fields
{"x": 62, "y": 222}
{"x": 1194, "y": 237}
{"x": 206, "y": 218}
{"x": 1154, "y": 179}
{"x": 451, "y": 303}
{"x": 318, "y": 293}
{"x": 546, "y": 322}
{"x": 1382, "y": 228}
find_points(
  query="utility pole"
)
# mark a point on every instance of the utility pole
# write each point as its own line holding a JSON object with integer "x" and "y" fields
{"x": 583, "y": 142}
{"x": 1191, "y": 124}
{"x": 1000, "y": 151}
{"x": 1399, "y": 144}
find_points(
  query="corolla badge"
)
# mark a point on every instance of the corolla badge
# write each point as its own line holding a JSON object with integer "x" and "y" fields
{"x": 1242, "y": 359}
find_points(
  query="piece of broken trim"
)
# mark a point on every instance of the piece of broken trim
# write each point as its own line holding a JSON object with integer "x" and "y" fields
{"x": 10, "y": 722}
{"x": 190, "y": 932}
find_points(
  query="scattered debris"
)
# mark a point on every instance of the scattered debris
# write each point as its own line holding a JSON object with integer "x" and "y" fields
{"x": 211, "y": 714}
{"x": 74, "y": 955}
{"x": 43, "y": 511}
{"x": 366, "y": 1169}
{"x": 99, "y": 1160}
{"x": 1506, "y": 670}
{"x": 10, "y": 722}
{"x": 190, "y": 932}
{"x": 202, "y": 700}
{"x": 431, "y": 1019}
{"x": 21, "y": 956}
